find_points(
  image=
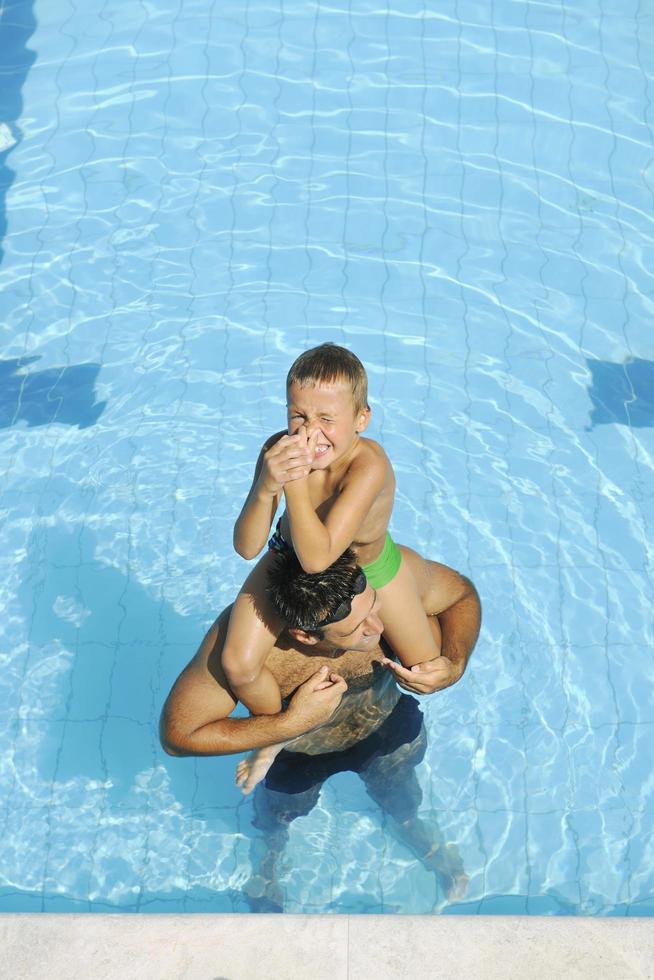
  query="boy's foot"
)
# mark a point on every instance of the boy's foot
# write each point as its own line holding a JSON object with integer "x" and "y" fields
{"x": 254, "y": 767}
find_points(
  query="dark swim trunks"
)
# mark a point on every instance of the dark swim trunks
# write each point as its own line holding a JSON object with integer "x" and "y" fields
{"x": 277, "y": 542}
{"x": 297, "y": 772}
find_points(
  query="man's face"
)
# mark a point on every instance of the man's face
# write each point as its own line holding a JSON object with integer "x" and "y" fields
{"x": 362, "y": 628}
{"x": 328, "y": 410}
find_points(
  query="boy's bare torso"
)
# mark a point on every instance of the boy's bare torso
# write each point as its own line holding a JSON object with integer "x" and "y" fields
{"x": 325, "y": 487}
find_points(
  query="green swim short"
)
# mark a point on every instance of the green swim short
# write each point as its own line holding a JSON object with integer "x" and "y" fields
{"x": 383, "y": 569}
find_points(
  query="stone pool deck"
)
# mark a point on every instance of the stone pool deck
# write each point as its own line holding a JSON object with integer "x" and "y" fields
{"x": 323, "y": 947}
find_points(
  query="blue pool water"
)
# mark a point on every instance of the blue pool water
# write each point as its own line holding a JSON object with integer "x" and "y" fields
{"x": 192, "y": 193}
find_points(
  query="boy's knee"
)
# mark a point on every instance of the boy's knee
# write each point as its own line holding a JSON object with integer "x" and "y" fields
{"x": 238, "y": 670}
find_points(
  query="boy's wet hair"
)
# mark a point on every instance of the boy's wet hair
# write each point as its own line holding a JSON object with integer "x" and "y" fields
{"x": 300, "y": 598}
{"x": 329, "y": 363}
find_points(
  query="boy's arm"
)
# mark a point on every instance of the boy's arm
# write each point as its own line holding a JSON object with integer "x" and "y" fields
{"x": 281, "y": 456}
{"x": 195, "y": 721}
{"x": 318, "y": 544}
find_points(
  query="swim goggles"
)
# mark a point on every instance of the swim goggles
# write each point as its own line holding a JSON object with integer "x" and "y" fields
{"x": 344, "y": 609}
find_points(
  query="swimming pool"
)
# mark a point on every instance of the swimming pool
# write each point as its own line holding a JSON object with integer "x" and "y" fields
{"x": 462, "y": 193}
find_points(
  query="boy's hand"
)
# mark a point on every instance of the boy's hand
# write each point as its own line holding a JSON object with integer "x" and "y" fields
{"x": 426, "y": 678}
{"x": 289, "y": 459}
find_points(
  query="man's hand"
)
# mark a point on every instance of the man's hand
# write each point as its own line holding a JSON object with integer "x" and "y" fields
{"x": 426, "y": 678}
{"x": 316, "y": 700}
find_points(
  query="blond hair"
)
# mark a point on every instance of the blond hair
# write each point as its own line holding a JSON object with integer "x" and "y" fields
{"x": 328, "y": 363}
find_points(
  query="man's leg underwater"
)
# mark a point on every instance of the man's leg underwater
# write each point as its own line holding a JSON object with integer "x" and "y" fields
{"x": 274, "y": 811}
{"x": 391, "y": 781}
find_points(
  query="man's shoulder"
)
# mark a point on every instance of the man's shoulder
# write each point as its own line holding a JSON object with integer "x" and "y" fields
{"x": 210, "y": 653}
{"x": 439, "y": 586}
{"x": 283, "y": 660}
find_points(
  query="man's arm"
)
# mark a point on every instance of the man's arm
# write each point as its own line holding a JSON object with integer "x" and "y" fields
{"x": 454, "y": 600}
{"x": 195, "y": 721}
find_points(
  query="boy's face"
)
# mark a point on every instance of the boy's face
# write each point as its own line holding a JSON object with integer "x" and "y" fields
{"x": 328, "y": 411}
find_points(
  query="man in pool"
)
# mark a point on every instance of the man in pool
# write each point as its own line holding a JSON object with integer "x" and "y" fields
{"x": 343, "y": 710}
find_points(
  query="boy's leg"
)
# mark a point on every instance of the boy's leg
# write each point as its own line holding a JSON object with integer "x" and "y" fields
{"x": 253, "y": 629}
{"x": 413, "y": 636}
{"x": 252, "y": 632}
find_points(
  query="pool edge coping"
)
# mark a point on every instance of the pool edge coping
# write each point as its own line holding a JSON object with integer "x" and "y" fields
{"x": 233, "y": 946}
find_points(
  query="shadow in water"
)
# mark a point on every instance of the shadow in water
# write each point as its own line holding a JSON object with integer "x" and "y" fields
{"x": 121, "y": 638}
{"x": 63, "y": 395}
{"x": 104, "y": 653}
{"x": 17, "y": 24}
{"x": 622, "y": 394}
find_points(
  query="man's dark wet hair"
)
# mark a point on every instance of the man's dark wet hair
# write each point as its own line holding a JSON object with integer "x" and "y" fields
{"x": 303, "y": 600}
